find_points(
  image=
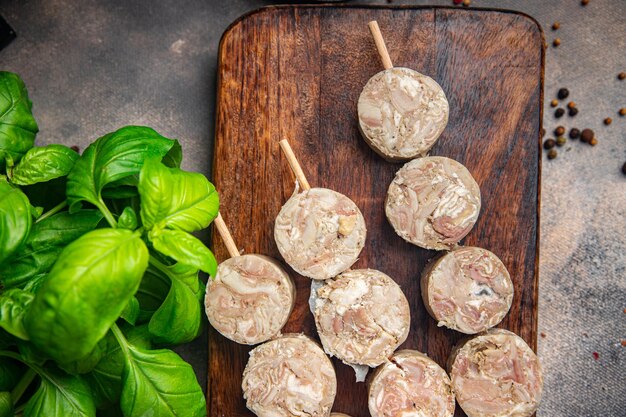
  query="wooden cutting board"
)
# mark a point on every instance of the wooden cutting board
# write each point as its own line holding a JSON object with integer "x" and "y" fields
{"x": 296, "y": 72}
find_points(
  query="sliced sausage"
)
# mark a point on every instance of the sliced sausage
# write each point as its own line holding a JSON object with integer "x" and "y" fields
{"x": 289, "y": 376}
{"x": 496, "y": 374}
{"x": 410, "y": 384}
{"x": 250, "y": 299}
{"x": 362, "y": 316}
{"x": 433, "y": 202}
{"x": 468, "y": 290}
{"x": 402, "y": 113}
{"x": 320, "y": 233}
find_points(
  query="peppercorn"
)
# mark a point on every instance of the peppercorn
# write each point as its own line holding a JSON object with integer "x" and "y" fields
{"x": 554, "y": 103}
{"x": 622, "y": 111}
{"x": 562, "y": 93}
{"x": 552, "y": 154}
{"x": 556, "y": 26}
{"x": 559, "y": 131}
{"x": 556, "y": 42}
{"x": 574, "y": 133}
{"x": 621, "y": 76}
{"x": 593, "y": 142}
{"x": 571, "y": 105}
{"x": 560, "y": 141}
{"x": 466, "y": 3}
{"x": 624, "y": 172}
{"x": 584, "y": 2}
{"x": 549, "y": 144}
{"x": 586, "y": 135}
{"x": 608, "y": 121}
{"x": 75, "y": 148}
{"x": 559, "y": 113}
{"x": 572, "y": 112}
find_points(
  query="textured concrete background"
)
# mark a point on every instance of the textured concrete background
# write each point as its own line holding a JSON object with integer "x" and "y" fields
{"x": 93, "y": 66}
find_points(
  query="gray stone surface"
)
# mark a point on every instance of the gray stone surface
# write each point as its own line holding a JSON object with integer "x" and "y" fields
{"x": 92, "y": 66}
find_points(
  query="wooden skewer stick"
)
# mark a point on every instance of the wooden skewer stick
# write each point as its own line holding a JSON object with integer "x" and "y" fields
{"x": 231, "y": 246}
{"x": 295, "y": 166}
{"x": 380, "y": 44}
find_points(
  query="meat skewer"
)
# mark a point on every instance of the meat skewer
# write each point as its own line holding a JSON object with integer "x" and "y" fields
{"x": 496, "y": 374}
{"x": 319, "y": 232}
{"x": 362, "y": 316}
{"x": 289, "y": 376}
{"x": 401, "y": 112}
{"x": 410, "y": 384}
{"x": 251, "y": 297}
{"x": 433, "y": 202}
{"x": 468, "y": 290}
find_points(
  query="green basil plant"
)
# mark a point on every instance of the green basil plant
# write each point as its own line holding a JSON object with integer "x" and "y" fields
{"x": 99, "y": 271}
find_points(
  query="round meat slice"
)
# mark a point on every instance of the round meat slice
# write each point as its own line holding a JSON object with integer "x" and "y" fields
{"x": 468, "y": 290}
{"x": 433, "y": 202}
{"x": 362, "y": 316}
{"x": 496, "y": 374}
{"x": 289, "y": 376}
{"x": 320, "y": 233}
{"x": 250, "y": 299}
{"x": 410, "y": 384}
{"x": 402, "y": 113}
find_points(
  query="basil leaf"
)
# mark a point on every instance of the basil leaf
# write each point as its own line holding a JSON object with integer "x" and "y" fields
{"x": 6, "y": 404}
{"x": 10, "y": 373}
{"x": 174, "y": 157}
{"x": 105, "y": 380}
{"x": 174, "y": 198}
{"x": 44, "y": 245}
{"x": 128, "y": 219}
{"x": 131, "y": 311}
{"x": 110, "y": 158}
{"x": 43, "y": 164}
{"x": 61, "y": 395}
{"x": 184, "y": 248}
{"x": 17, "y": 124}
{"x": 85, "y": 364}
{"x": 178, "y": 320}
{"x": 152, "y": 292}
{"x": 15, "y": 219}
{"x": 85, "y": 292}
{"x": 13, "y": 306}
{"x": 159, "y": 383}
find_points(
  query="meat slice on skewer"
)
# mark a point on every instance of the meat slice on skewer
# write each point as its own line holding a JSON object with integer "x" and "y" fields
{"x": 496, "y": 374}
{"x": 410, "y": 384}
{"x": 251, "y": 297}
{"x": 468, "y": 289}
{"x": 289, "y": 376}
{"x": 401, "y": 112}
{"x": 319, "y": 232}
{"x": 362, "y": 316}
{"x": 433, "y": 202}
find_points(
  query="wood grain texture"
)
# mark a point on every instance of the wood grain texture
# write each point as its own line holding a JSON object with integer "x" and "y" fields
{"x": 296, "y": 72}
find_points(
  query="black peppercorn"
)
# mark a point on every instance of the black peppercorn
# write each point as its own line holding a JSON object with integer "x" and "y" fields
{"x": 574, "y": 133}
{"x": 622, "y": 111}
{"x": 560, "y": 141}
{"x": 559, "y": 131}
{"x": 584, "y": 2}
{"x": 559, "y": 113}
{"x": 624, "y": 168}
{"x": 75, "y": 148}
{"x": 621, "y": 76}
{"x": 608, "y": 121}
{"x": 556, "y": 26}
{"x": 572, "y": 111}
{"x": 552, "y": 154}
{"x": 556, "y": 42}
{"x": 563, "y": 93}
{"x": 549, "y": 144}
{"x": 586, "y": 135}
